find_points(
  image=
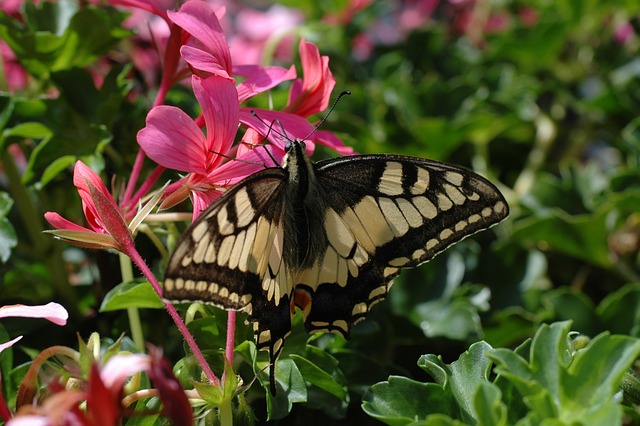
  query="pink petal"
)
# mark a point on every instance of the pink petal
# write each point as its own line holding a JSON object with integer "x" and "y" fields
{"x": 259, "y": 79}
{"x": 330, "y": 140}
{"x": 314, "y": 94}
{"x": 52, "y": 311}
{"x": 112, "y": 219}
{"x": 83, "y": 178}
{"x": 173, "y": 140}
{"x": 60, "y": 222}
{"x": 204, "y": 61}
{"x": 250, "y": 162}
{"x": 8, "y": 344}
{"x": 121, "y": 366}
{"x": 199, "y": 19}
{"x": 219, "y": 101}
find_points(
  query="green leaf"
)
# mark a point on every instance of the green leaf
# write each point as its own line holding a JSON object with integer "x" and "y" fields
{"x": 8, "y": 237}
{"x": 131, "y": 295}
{"x": 567, "y": 387}
{"x": 29, "y": 130}
{"x": 56, "y": 36}
{"x": 321, "y": 369}
{"x": 489, "y": 408}
{"x": 290, "y": 385}
{"x": 400, "y": 401}
{"x": 619, "y": 312}
{"x": 462, "y": 377}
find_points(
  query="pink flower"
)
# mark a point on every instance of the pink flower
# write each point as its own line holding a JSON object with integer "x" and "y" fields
{"x": 108, "y": 228}
{"x": 209, "y": 51}
{"x": 255, "y": 29}
{"x": 311, "y": 94}
{"x": 103, "y": 395}
{"x": 174, "y": 140}
{"x": 51, "y": 311}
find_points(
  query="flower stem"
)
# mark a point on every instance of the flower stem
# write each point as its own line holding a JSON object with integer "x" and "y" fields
{"x": 134, "y": 315}
{"x": 197, "y": 353}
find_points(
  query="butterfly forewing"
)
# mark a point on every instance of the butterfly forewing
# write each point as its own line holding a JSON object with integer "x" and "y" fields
{"x": 327, "y": 238}
{"x": 386, "y": 213}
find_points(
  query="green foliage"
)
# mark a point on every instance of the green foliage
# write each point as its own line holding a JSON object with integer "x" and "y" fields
{"x": 548, "y": 380}
{"x": 539, "y": 96}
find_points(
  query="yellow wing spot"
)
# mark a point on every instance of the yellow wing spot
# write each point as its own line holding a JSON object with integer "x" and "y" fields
{"x": 189, "y": 285}
{"x": 353, "y": 268}
{"x": 377, "y": 292}
{"x": 399, "y": 261}
{"x": 474, "y": 196}
{"x": 500, "y": 207}
{"x": 445, "y": 233}
{"x": 201, "y": 286}
{"x": 234, "y": 259}
{"x": 368, "y": 212}
{"x": 391, "y": 180}
{"x": 359, "y": 309}
{"x": 341, "y": 325}
{"x": 213, "y": 288}
{"x": 244, "y": 209}
{"x": 360, "y": 256}
{"x": 338, "y": 233}
{"x": 168, "y": 284}
{"x": 425, "y": 207}
{"x": 390, "y": 271}
{"x": 224, "y": 292}
{"x": 454, "y": 194}
{"x": 179, "y": 283}
{"x": 210, "y": 255}
{"x": 186, "y": 260}
{"x": 432, "y": 243}
{"x": 264, "y": 337}
{"x": 343, "y": 272}
{"x": 418, "y": 254}
{"x": 199, "y": 231}
{"x": 358, "y": 230}
{"x": 486, "y": 212}
{"x": 460, "y": 225}
{"x": 454, "y": 177}
{"x": 201, "y": 249}
{"x": 394, "y": 217}
{"x": 329, "y": 268}
{"x": 225, "y": 250}
{"x": 474, "y": 218}
{"x": 444, "y": 203}
{"x": 225, "y": 227}
{"x": 410, "y": 213}
{"x": 265, "y": 233}
{"x": 234, "y": 298}
{"x": 246, "y": 259}
{"x": 422, "y": 182}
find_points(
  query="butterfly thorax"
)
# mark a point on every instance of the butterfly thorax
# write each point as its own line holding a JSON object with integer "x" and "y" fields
{"x": 304, "y": 210}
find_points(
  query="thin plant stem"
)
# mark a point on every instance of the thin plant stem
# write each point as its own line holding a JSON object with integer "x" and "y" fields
{"x": 197, "y": 353}
{"x": 133, "y": 313}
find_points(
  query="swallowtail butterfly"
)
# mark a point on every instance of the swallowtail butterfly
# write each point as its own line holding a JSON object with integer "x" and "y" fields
{"x": 325, "y": 237}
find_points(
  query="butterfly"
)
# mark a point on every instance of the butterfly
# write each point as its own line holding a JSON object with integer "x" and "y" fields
{"x": 327, "y": 238}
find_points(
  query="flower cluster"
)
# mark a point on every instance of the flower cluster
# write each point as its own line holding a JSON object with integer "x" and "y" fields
{"x": 225, "y": 143}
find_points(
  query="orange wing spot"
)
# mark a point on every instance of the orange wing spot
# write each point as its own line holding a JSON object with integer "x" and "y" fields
{"x": 302, "y": 300}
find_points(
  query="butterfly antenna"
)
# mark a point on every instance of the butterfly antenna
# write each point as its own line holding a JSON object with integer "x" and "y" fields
{"x": 255, "y": 114}
{"x": 333, "y": 106}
